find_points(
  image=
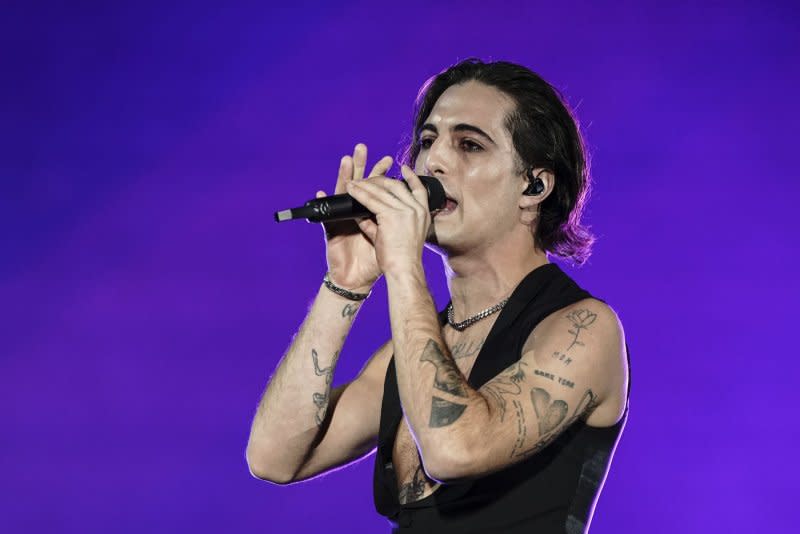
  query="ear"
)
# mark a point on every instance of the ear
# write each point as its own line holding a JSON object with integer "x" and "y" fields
{"x": 529, "y": 204}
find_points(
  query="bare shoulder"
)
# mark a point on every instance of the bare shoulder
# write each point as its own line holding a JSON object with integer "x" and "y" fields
{"x": 585, "y": 342}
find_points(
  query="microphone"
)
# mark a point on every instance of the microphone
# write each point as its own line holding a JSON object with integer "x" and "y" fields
{"x": 340, "y": 207}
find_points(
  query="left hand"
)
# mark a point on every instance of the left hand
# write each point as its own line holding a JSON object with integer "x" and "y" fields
{"x": 402, "y": 218}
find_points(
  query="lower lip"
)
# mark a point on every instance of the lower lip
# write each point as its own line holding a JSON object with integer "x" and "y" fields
{"x": 452, "y": 205}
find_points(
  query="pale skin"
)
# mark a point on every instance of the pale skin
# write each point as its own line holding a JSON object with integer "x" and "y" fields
{"x": 573, "y": 364}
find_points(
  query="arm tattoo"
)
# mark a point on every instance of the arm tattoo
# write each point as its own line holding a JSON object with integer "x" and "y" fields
{"x": 444, "y": 412}
{"x": 550, "y": 415}
{"x": 448, "y": 377}
{"x": 413, "y": 490}
{"x": 506, "y": 385}
{"x": 321, "y": 399}
{"x": 349, "y": 311}
{"x": 579, "y": 319}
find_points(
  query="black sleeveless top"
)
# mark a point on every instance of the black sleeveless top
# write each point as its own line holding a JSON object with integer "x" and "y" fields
{"x": 555, "y": 490}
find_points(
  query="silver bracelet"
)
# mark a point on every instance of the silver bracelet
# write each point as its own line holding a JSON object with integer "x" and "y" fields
{"x": 349, "y": 295}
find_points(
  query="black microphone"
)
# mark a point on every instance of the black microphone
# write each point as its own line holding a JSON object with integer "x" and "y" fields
{"x": 340, "y": 207}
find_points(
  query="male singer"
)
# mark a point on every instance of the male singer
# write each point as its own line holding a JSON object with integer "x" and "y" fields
{"x": 500, "y": 413}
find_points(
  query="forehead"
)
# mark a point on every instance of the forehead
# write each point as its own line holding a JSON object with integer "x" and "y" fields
{"x": 472, "y": 103}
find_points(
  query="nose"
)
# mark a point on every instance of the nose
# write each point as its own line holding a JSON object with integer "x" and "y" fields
{"x": 436, "y": 159}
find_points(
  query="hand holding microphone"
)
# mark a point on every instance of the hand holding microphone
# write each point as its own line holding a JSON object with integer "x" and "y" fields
{"x": 343, "y": 206}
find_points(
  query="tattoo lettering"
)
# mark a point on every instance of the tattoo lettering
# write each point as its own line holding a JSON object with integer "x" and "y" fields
{"x": 465, "y": 349}
{"x": 566, "y": 383}
{"x": 413, "y": 490}
{"x": 506, "y": 385}
{"x": 349, "y": 311}
{"x": 321, "y": 399}
{"x": 545, "y": 374}
{"x": 448, "y": 377}
{"x": 444, "y": 412}
{"x": 580, "y": 319}
{"x": 550, "y": 376}
{"x": 564, "y": 358}
{"x": 522, "y": 430}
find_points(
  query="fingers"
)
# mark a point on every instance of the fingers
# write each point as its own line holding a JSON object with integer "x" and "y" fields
{"x": 370, "y": 195}
{"x": 381, "y": 167}
{"x": 359, "y": 161}
{"x": 418, "y": 189}
{"x": 369, "y": 228}
{"x": 345, "y": 174}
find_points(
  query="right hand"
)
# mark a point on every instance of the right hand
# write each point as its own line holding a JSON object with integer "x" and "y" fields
{"x": 352, "y": 263}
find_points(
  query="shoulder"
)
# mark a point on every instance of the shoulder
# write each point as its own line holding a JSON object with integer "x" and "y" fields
{"x": 584, "y": 341}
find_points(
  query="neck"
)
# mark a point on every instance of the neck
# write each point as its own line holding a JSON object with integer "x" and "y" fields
{"x": 477, "y": 282}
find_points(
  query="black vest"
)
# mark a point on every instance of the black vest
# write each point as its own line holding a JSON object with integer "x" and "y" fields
{"x": 552, "y": 491}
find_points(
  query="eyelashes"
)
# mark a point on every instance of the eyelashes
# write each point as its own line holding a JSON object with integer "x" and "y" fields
{"x": 467, "y": 145}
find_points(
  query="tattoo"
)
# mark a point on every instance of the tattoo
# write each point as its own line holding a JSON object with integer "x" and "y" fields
{"x": 444, "y": 412}
{"x": 349, "y": 310}
{"x": 448, "y": 378}
{"x": 551, "y": 414}
{"x": 522, "y": 430}
{"x": 553, "y": 378}
{"x": 564, "y": 358}
{"x": 506, "y": 385}
{"x": 321, "y": 399}
{"x": 580, "y": 319}
{"x": 466, "y": 348}
{"x": 566, "y": 383}
{"x": 413, "y": 490}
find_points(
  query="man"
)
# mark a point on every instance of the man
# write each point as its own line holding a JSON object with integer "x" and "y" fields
{"x": 501, "y": 413}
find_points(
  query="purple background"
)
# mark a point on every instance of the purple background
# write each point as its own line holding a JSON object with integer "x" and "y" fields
{"x": 147, "y": 295}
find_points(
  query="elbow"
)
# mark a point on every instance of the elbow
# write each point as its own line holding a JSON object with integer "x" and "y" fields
{"x": 263, "y": 469}
{"x": 449, "y": 466}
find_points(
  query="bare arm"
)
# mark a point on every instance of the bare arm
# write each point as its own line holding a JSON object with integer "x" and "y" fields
{"x": 294, "y": 425}
{"x": 463, "y": 432}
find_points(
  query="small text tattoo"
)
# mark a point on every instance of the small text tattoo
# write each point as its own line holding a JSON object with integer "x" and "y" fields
{"x": 444, "y": 412}
{"x": 580, "y": 319}
{"x": 554, "y": 378}
{"x": 522, "y": 430}
{"x": 563, "y": 358}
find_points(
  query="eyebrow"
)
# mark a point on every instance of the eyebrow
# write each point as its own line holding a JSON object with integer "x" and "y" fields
{"x": 462, "y": 127}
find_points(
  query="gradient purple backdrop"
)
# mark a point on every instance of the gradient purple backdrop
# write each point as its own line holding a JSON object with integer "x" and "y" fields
{"x": 148, "y": 295}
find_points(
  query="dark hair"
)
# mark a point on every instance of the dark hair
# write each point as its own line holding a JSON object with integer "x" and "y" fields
{"x": 545, "y": 135}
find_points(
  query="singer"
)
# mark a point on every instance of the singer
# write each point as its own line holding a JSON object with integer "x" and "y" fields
{"x": 501, "y": 412}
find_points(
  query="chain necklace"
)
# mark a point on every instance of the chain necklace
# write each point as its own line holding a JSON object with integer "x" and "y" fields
{"x": 469, "y": 321}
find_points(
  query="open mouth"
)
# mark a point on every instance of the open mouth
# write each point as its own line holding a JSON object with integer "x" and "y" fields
{"x": 449, "y": 206}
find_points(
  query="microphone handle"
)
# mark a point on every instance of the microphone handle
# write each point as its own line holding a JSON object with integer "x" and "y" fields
{"x": 334, "y": 208}
{"x": 343, "y": 206}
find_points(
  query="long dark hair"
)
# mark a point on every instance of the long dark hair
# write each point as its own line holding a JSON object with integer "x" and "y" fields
{"x": 545, "y": 134}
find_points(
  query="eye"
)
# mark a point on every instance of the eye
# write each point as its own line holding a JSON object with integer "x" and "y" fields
{"x": 425, "y": 143}
{"x": 470, "y": 146}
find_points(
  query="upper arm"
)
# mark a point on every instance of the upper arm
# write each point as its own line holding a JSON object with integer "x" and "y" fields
{"x": 350, "y": 428}
{"x": 569, "y": 369}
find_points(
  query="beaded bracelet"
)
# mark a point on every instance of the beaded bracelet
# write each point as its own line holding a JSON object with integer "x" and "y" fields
{"x": 349, "y": 295}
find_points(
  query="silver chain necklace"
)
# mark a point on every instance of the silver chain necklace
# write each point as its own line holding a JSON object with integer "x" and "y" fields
{"x": 469, "y": 321}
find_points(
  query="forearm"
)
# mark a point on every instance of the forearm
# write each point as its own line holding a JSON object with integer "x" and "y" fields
{"x": 294, "y": 406}
{"x": 443, "y": 410}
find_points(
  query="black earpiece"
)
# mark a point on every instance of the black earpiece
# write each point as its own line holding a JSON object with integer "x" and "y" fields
{"x": 536, "y": 186}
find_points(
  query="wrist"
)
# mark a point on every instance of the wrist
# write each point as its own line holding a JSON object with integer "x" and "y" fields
{"x": 355, "y": 294}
